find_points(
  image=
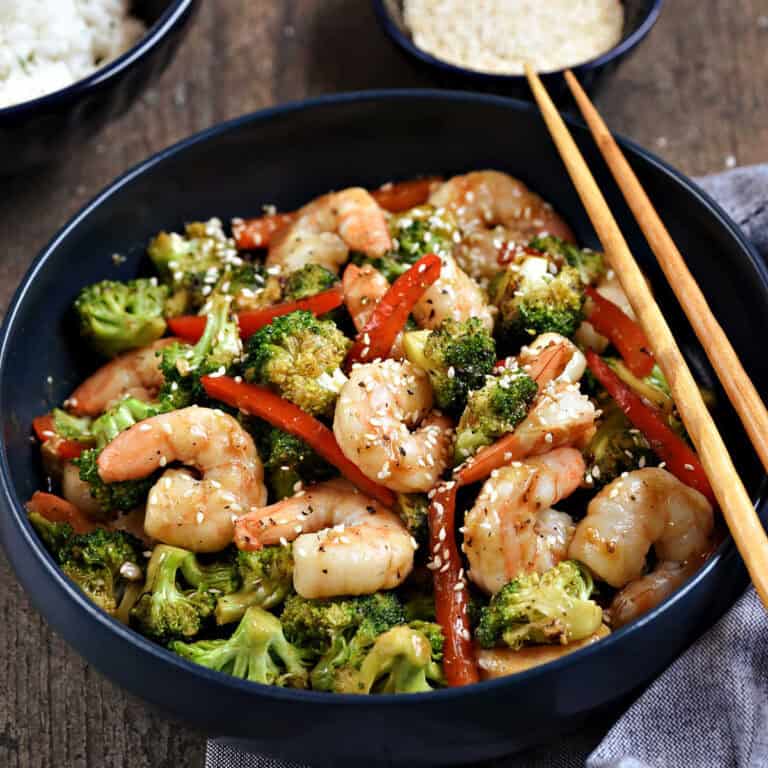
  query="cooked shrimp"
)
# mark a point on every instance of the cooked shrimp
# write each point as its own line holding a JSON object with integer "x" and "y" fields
{"x": 574, "y": 368}
{"x": 375, "y": 413}
{"x": 78, "y": 492}
{"x": 644, "y": 508}
{"x": 345, "y": 543}
{"x": 132, "y": 374}
{"x": 493, "y": 208}
{"x": 512, "y": 529}
{"x": 454, "y": 295}
{"x": 648, "y": 591}
{"x": 326, "y": 229}
{"x": 183, "y": 509}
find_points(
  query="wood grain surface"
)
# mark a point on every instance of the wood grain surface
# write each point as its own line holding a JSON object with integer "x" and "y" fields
{"x": 694, "y": 93}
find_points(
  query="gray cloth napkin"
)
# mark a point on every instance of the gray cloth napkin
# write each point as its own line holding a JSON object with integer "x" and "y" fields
{"x": 710, "y": 708}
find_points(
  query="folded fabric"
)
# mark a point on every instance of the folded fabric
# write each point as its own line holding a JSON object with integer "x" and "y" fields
{"x": 709, "y": 709}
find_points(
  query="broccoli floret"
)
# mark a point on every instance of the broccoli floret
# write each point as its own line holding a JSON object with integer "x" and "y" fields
{"x": 415, "y": 233}
{"x": 219, "y": 576}
{"x": 457, "y": 355}
{"x": 250, "y": 287}
{"x": 553, "y": 607}
{"x": 102, "y": 563}
{"x": 72, "y": 427}
{"x": 290, "y": 463}
{"x": 117, "y": 316}
{"x": 400, "y": 661}
{"x": 308, "y": 281}
{"x": 256, "y": 651}
{"x": 193, "y": 263}
{"x": 616, "y": 447}
{"x": 120, "y": 417}
{"x": 168, "y": 610}
{"x": 589, "y": 264}
{"x": 266, "y": 577}
{"x": 216, "y": 351}
{"x": 299, "y": 356}
{"x": 413, "y": 509}
{"x": 492, "y": 411}
{"x": 112, "y": 498}
{"x": 532, "y": 300}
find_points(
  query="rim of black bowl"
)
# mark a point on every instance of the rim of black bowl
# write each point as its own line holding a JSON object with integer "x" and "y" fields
{"x": 406, "y": 42}
{"x": 726, "y": 551}
{"x": 170, "y": 17}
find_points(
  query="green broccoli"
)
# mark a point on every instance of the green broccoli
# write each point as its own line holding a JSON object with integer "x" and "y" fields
{"x": 402, "y": 660}
{"x": 553, "y": 607}
{"x": 299, "y": 356}
{"x": 616, "y": 447}
{"x": 308, "y": 281}
{"x": 413, "y": 509}
{"x": 216, "y": 351}
{"x": 256, "y": 651}
{"x": 457, "y": 355}
{"x": 218, "y": 575}
{"x": 266, "y": 577}
{"x": 532, "y": 300}
{"x": 289, "y": 463}
{"x": 102, "y": 563}
{"x": 250, "y": 287}
{"x": 415, "y": 233}
{"x": 72, "y": 427}
{"x": 112, "y": 497}
{"x": 120, "y": 417}
{"x": 193, "y": 263}
{"x": 166, "y": 609}
{"x": 116, "y": 316}
{"x": 492, "y": 411}
{"x": 589, "y": 264}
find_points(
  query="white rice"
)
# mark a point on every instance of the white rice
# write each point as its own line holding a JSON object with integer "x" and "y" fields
{"x": 46, "y": 45}
{"x": 499, "y": 36}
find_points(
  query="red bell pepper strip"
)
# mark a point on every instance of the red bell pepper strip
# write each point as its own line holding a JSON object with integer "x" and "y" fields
{"x": 680, "y": 458}
{"x": 256, "y": 233}
{"x": 261, "y": 402}
{"x": 451, "y": 597}
{"x": 191, "y": 327}
{"x": 57, "y": 510}
{"x": 401, "y": 195}
{"x": 378, "y": 335}
{"x": 45, "y": 430}
{"x": 625, "y": 334}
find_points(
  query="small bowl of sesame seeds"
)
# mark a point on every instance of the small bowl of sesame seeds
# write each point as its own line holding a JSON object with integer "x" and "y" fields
{"x": 484, "y": 45}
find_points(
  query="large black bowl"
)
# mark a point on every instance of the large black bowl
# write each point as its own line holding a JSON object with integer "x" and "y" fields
{"x": 285, "y": 156}
{"x": 51, "y": 127}
{"x": 639, "y": 18}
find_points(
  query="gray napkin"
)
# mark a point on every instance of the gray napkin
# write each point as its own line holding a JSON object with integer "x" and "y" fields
{"x": 710, "y": 708}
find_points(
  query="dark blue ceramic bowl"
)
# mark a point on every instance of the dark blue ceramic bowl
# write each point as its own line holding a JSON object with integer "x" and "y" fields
{"x": 286, "y": 156}
{"x": 53, "y": 126}
{"x": 640, "y": 16}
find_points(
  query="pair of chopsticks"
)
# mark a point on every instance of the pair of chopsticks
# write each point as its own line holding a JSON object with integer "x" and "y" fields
{"x": 734, "y": 501}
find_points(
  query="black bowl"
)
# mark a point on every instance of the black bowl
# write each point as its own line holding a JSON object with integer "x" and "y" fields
{"x": 640, "y": 16}
{"x": 285, "y": 156}
{"x": 51, "y": 127}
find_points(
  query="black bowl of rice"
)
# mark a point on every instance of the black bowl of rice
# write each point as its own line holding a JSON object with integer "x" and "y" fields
{"x": 68, "y": 67}
{"x": 484, "y": 44}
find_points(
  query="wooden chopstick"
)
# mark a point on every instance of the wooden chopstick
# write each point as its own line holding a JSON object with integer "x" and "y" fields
{"x": 736, "y": 383}
{"x": 734, "y": 501}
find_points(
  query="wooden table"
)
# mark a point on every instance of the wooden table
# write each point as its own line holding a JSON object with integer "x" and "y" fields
{"x": 694, "y": 93}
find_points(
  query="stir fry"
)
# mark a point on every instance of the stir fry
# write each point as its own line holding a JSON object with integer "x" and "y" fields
{"x": 390, "y": 442}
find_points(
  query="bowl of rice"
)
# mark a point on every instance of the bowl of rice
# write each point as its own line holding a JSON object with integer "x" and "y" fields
{"x": 483, "y": 45}
{"x": 68, "y": 67}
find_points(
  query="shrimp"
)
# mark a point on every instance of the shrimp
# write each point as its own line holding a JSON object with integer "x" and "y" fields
{"x": 644, "y": 508}
{"x": 493, "y": 208}
{"x": 345, "y": 543}
{"x": 648, "y": 591}
{"x": 78, "y": 492}
{"x": 511, "y": 529}
{"x": 326, "y": 229}
{"x": 193, "y": 511}
{"x": 575, "y": 366}
{"x": 377, "y": 409}
{"x": 453, "y": 295}
{"x": 132, "y": 374}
